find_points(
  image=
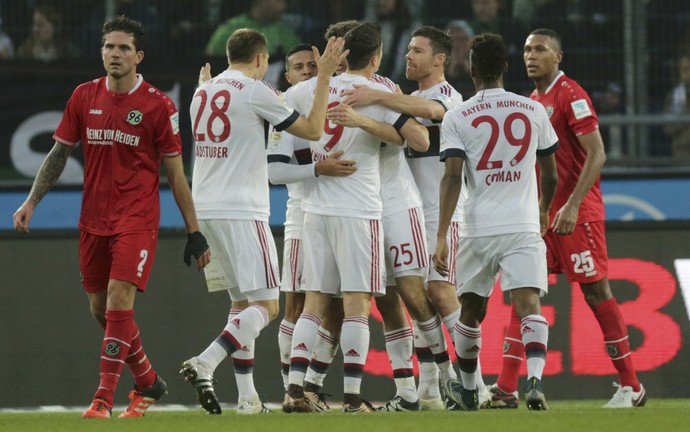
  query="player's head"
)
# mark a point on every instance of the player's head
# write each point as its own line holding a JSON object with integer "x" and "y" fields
{"x": 338, "y": 30}
{"x": 300, "y": 64}
{"x": 364, "y": 43}
{"x": 542, "y": 53}
{"x": 122, "y": 48}
{"x": 248, "y": 47}
{"x": 428, "y": 51}
{"x": 127, "y": 25}
{"x": 487, "y": 58}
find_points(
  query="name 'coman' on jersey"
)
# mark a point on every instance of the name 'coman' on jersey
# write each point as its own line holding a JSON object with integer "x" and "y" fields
{"x": 498, "y": 134}
{"x": 356, "y": 195}
{"x": 230, "y": 179}
{"x": 572, "y": 115}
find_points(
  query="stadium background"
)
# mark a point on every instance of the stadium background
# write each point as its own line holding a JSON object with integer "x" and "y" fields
{"x": 48, "y": 336}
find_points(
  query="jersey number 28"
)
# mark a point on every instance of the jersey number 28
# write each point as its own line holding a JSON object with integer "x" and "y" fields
{"x": 218, "y": 112}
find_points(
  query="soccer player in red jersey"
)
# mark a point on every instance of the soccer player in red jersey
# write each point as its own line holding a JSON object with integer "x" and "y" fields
{"x": 576, "y": 242}
{"x": 127, "y": 128}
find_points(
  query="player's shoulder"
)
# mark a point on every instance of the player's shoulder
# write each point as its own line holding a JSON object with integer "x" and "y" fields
{"x": 384, "y": 81}
{"x": 570, "y": 89}
{"x": 90, "y": 86}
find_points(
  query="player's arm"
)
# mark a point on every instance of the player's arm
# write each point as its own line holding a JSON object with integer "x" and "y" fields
{"x": 280, "y": 171}
{"x": 48, "y": 174}
{"x": 311, "y": 127}
{"x": 414, "y": 106}
{"x": 345, "y": 115}
{"x": 548, "y": 180}
{"x": 565, "y": 220}
{"x": 449, "y": 193}
{"x": 196, "y": 243}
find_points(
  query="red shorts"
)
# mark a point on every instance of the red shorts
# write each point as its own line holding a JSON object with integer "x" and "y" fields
{"x": 582, "y": 255}
{"x": 126, "y": 256}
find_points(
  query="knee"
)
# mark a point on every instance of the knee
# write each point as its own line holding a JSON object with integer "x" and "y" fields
{"x": 272, "y": 309}
{"x": 98, "y": 312}
{"x": 596, "y": 293}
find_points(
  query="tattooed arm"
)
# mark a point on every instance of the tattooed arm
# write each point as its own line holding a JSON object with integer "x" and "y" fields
{"x": 50, "y": 171}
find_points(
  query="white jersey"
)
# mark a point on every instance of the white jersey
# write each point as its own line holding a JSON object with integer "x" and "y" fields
{"x": 499, "y": 135}
{"x": 230, "y": 178}
{"x": 286, "y": 148}
{"x": 426, "y": 168}
{"x": 356, "y": 195}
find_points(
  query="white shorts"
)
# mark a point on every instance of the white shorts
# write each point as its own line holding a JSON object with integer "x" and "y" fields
{"x": 293, "y": 265}
{"x": 520, "y": 258}
{"x": 343, "y": 254}
{"x": 452, "y": 239}
{"x": 404, "y": 239}
{"x": 244, "y": 260}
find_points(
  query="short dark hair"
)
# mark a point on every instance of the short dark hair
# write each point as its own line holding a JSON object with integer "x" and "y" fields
{"x": 244, "y": 44}
{"x": 295, "y": 49}
{"x": 549, "y": 33}
{"x": 441, "y": 43}
{"x": 127, "y": 25}
{"x": 340, "y": 28}
{"x": 363, "y": 41}
{"x": 488, "y": 56}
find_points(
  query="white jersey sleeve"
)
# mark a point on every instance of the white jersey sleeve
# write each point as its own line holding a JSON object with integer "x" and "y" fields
{"x": 270, "y": 104}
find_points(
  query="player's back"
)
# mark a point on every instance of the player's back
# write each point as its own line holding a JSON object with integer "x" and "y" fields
{"x": 356, "y": 195}
{"x": 230, "y": 179}
{"x": 498, "y": 133}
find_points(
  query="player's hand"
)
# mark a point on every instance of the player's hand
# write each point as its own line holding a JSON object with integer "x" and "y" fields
{"x": 344, "y": 115}
{"x": 333, "y": 56}
{"x": 440, "y": 258}
{"x": 565, "y": 220}
{"x": 204, "y": 73}
{"x": 196, "y": 246}
{"x": 22, "y": 217}
{"x": 335, "y": 167}
{"x": 360, "y": 95}
{"x": 543, "y": 222}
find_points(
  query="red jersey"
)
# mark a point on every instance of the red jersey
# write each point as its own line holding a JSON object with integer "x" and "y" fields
{"x": 124, "y": 138}
{"x": 572, "y": 115}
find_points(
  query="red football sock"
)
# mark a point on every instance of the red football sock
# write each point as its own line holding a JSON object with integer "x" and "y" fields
{"x": 616, "y": 340}
{"x": 119, "y": 330}
{"x": 138, "y": 362}
{"x": 513, "y": 352}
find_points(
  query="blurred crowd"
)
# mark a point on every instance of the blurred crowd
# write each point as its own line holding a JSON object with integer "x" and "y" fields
{"x": 592, "y": 30}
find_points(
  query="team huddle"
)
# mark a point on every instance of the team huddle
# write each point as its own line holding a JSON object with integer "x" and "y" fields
{"x": 418, "y": 201}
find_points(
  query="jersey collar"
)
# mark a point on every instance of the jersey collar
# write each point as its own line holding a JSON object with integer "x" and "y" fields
{"x": 140, "y": 79}
{"x": 555, "y": 80}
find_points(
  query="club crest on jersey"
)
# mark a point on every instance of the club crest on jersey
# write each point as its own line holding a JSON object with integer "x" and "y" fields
{"x": 112, "y": 349}
{"x": 549, "y": 111}
{"x": 134, "y": 117}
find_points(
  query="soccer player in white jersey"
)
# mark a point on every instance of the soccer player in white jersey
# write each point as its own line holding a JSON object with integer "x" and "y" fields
{"x": 498, "y": 137}
{"x": 343, "y": 245}
{"x": 428, "y": 55}
{"x": 231, "y": 187}
{"x": 289, "y": 162}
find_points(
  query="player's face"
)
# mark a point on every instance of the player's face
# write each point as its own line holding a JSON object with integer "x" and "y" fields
{"x": 420, "y": 58}
{"x": 541, "y": 55}
{"x": 302, "y": 67}
{"x": 120, "y": 56}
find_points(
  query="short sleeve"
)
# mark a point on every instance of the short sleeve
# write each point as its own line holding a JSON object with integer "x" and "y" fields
{"x": 167, "y": 133}
{"x": 270, "y": 104}
{"x": 451, "y": 140}
{"x": 69, "y": 130}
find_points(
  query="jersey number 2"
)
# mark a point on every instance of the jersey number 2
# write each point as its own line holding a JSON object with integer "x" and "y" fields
{"x": 218, "y": 112}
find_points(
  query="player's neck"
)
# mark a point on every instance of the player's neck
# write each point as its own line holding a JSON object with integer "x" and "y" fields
{"x": 430, "y": 81}
{"x": 123, "y": 84}
{"x": 245, "y": 69}
{"x": 367, "y": 72}
{"x": 543, "y": 83}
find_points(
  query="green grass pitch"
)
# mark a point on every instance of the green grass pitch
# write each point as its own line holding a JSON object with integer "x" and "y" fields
{"x": 658, "y": 416}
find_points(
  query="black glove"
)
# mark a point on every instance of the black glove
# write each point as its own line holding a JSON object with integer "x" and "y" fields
{"x": 196, "y": 245}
